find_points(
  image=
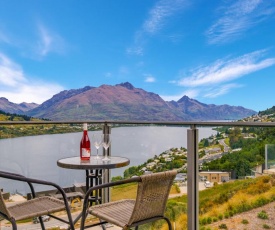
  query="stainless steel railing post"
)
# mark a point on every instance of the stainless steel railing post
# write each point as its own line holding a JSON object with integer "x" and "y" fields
{"x": 192, "y": 179}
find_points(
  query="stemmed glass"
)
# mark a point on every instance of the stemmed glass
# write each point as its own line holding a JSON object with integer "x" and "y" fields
{"x": 97, "y": 140}
{"x": 106, "y": 144}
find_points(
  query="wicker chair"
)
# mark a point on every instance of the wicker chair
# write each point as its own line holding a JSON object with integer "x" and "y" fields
{"x": 36, "y": 207}
{"x": 149, "y": 205}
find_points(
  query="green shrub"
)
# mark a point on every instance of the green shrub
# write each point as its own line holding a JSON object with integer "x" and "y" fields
{"x": 209, "y": 220}
{"x": 223, "y": 226}
{"x": 224, "y": 197}
{"x": 220, "y": 216}
{"x": 260, "y": 202}
{"x": 205, "y": 228}
{"x": 272, "y": 197}
{"x": 203, "y": 221}
{"x": 177, "y": 188}
{"x": 244, "y": 206}
{"x": 215, "y": 219}
{"x": 265, "y": 226}
{"x": 226, "y": 215}
{"x": 244, "y": 221}
{"x": 263, "y": 215}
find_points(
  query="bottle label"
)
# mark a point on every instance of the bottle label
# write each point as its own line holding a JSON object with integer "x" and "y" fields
{"x": 86, "y": 152}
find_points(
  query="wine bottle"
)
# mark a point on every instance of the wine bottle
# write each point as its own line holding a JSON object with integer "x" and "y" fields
{"x": 85, "y": 149}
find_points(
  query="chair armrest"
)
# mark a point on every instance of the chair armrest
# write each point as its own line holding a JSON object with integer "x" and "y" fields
{"x": 18, "y": 177}
{"x": 106, "y": 185}
{"x": 9, "y": 173}
{"x": 3, "y": 174}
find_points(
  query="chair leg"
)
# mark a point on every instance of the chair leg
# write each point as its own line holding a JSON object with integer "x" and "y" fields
{"x": 41, "y": 223}
{"x": 13, "y": 223}
{"x": 83, "y": 218}
{"x": 168, "y": 222}
{"x": 103, "y": 227}
{"x": 136, "y": 228}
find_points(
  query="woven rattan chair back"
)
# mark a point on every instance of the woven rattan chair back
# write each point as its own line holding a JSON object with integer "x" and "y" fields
{"x": 152, "y": 195}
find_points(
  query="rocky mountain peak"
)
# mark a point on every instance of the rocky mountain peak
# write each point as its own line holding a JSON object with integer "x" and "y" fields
{"x": 126, "y": 85}
{"x": 4, "y": 99}
{"x": 183, "y": 99}
{"x": 10, "y": 107}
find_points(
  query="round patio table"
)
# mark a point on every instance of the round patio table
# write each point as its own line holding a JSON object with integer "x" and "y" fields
{"x": 94, "y": 171}
{"x": 93, "y": 163}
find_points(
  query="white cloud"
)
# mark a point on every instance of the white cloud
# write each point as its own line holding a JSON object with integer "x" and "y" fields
{"x": 17, "y": 87}
{"x": 220, "y": 90}
{"x": 137, "y": 47}
{"x": 36, "y": 92}
{"x": 218, "y": 78}
{"x": 45, "y": 44}
{"x": 238, "y": 18}
{"x": 227, "y": 70}
{"x": 10, "y": 73}
{"x": 157, "y": 18}
{"x": 49, "y": 42}
{"x": 160, "y": 13}
{"x": 149, "y": 78}
{"x": 136, "y": 50}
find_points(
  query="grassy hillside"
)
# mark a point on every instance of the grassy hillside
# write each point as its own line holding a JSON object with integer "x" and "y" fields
{"x": 226, "y": 200}
{"x": 216, "y": 204}
{"x": 15, "y": 117}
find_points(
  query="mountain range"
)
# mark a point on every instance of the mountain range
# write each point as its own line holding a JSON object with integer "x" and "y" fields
{"x": 10, "y": 107}
{"x": 123, "y": 102}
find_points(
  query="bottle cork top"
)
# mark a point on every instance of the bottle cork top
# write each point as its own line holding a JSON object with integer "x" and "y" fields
{"x": 85, "y": 126}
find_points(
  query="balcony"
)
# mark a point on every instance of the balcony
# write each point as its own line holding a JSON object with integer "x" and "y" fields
{"x": 33, "y": 148}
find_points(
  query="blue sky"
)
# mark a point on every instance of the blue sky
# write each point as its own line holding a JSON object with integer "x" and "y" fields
{"x": 217, "y": 52}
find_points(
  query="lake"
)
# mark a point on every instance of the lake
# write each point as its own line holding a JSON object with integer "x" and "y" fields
{"x": 36, "y": 156}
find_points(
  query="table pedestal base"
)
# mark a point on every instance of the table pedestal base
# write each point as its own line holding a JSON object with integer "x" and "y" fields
{"x": 93, "y": 178}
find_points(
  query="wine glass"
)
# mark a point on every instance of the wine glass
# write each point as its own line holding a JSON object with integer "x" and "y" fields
{"x": 106, "y": 144}
{"x": 97, "y": 140}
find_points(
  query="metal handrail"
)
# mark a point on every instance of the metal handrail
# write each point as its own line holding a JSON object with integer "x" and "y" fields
{"x": 172, "y": 123}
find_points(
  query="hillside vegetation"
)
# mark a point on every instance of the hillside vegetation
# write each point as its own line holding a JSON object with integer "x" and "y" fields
{"x": 268, "y": 111}
{"x": 224, "y": 201}
{"x": 15, "y": 117}
{"x": 12, "y": 131}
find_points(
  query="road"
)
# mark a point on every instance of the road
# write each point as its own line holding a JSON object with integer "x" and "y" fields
{"x": 226, "y": 147}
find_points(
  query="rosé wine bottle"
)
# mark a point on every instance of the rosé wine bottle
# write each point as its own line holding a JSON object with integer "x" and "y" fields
{"x": 85, "y": 149}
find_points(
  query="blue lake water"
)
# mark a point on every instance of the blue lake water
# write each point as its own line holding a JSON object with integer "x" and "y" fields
{"x": 36, "y": 156}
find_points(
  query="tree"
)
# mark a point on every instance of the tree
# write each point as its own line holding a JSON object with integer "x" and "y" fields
{"x": 242, "y": 167}
{"x": 177, "y": 163}
{"x": 206, "y": 143}
{"x": 116, "y": 178}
